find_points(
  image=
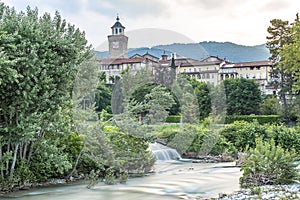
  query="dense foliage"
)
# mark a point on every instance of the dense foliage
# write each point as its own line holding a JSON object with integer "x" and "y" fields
{"x": 39, "y": 60}
{"x": 268, "y": 164}
{"x": 201, "y": 91}
{"x": 262, "y": 119}
{"x": 283, "y": 41}
{"x": 242, "y": 96}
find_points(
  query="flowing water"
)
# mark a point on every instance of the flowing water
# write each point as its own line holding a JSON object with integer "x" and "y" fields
{"x": 164, "y": 153}
{"x": 173, "y": 179}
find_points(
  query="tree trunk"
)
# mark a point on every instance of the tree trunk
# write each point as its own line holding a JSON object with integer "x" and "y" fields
{"x": 12, "y": 169}
{"x": 7, "y": 162}
{"x": 76, "y": 163}
{"x": 30, "y": 151}
{"x": 25, "y": 150}
{"x": 1, "y": 164}
{"x": 20, "y": 149}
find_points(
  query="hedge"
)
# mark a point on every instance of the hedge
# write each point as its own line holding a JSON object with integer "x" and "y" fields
{"x": 262, "y": 119}
{"x": 173, "y": 119}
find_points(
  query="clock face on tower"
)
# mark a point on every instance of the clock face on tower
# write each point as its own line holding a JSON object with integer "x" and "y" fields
{"x": 115, "y": 45}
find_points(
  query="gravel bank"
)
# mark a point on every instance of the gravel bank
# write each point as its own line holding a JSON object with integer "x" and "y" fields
{"x": 277, "y": 192}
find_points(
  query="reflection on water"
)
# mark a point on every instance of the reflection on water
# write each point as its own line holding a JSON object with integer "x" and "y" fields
{"x": 171, "y": 180}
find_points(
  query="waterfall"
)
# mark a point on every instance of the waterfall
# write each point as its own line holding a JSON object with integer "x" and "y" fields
{"x": 164, "y": 153}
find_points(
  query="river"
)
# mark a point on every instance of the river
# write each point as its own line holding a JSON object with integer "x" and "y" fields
{"x": 171, "y": 180}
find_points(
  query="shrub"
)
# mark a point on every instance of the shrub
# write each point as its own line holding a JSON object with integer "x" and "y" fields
{"x": 287, "y": 138}
{"x": 269, "y": 164}
{"x": 173, "y": 119}
{"x": 242, "y": 134}
{"x": 223, "y": 146}
{"x": 261, "y": 119}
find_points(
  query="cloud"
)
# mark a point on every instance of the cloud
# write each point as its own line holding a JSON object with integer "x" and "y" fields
{"x": 130, "y": 8}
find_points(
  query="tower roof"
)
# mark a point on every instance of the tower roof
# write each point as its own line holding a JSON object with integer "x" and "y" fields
{"x": 118, "y": 24}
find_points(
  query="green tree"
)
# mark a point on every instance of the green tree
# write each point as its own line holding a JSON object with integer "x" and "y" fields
{"x": 158, "y": 102}
{"x": 202, "y": 92}
{"x": 270, "y": 105}
{"x": 242, "y": 96}
{"x": 40, "y": 55}
{"x": 290, "y": 57}
{"x": 103, "y": 97}
{"x": 280, "y": 35}
{"x": 185, "y": 94}
{"x": 140, "y": 93}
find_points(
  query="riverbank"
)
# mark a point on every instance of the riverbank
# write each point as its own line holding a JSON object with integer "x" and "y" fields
{"x": 267, "y": 192}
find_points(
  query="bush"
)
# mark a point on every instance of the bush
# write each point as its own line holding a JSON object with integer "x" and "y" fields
{"x": 173, "y": 119}
{"x": 223, "y": 146}
{"x": 287, "y": 138}
{"x": 242, "y": 134}
{"x": 262, "y": 119}
{"x": 269, "y": 164}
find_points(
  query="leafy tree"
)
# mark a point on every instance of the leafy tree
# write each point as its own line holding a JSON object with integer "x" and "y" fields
{"x": 103, "y": 97}
{"x": 280, "y": 35}
{"x": 242, "y": 96}
{"x": 290, "y": 56}
{"x": 140, "y": 93}
{"x": 202, "y": 92}
{"x": 270, "y": 105}
{"x": 184, "y": 92}
{"x": 159, "y": 101}
{"x": 39, "y": 58}
{"x": 218, "y": 102}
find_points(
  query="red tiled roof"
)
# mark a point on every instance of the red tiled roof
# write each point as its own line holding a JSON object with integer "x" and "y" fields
{"x": 116, "y": 61}
{"x": 253, "y": 64}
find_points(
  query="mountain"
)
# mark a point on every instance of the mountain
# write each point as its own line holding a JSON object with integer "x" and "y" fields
{"x": 232, "y": 52}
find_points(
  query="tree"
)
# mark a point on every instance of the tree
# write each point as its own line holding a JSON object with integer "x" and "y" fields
{"x": 270, "y": 105}
{"x": 203, "y": 96}
{"x": 185, "y": 94}
{"x": 280, "y": 36}
{"x": 290, "y": 55}
{"x": 103, "y": 98}
{"x": 242, "y": 96}
{"x": 40, "y": 55}
{"x": 159, "y": 101}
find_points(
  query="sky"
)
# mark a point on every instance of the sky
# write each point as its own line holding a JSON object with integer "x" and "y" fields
{"x": 152, "y": 22}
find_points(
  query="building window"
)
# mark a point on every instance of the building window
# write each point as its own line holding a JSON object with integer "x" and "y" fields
{"x": 190, "y": 70}
{"x": 207, "y": 76}
{"x": 212, "y": 76}
{"x": 195, "y": 69}
{"x": 257, "y": 68}
{"x": 184, "y": 70}
{"x": 247, "y": 76}
{"x": 251, "y": 68}
{"x": 203, "y": 76}
{"x": 241, "y": 75}
{"x": 198, "y": 76}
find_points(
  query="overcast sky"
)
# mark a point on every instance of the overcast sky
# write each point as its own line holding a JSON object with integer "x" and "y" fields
{"x": 153, "y": 22}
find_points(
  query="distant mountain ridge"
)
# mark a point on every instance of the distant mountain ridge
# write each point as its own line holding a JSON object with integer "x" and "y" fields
{"x": 232, "y": 52}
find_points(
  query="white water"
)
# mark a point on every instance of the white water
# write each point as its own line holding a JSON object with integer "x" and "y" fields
{"x": 164, "y": 153}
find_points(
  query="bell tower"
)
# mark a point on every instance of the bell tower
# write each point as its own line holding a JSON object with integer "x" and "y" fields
{"x": 117, "y": 41}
